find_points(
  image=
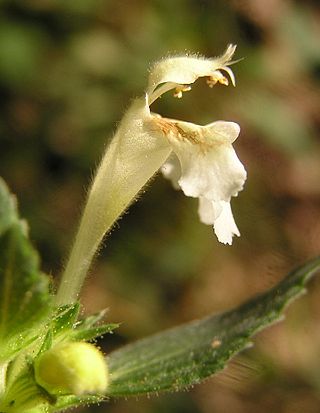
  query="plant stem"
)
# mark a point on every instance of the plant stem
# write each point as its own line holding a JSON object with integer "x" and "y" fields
{"x": 3, "y": 373}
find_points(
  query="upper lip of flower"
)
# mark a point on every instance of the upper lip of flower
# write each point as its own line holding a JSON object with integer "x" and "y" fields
{"x": 180, "y": 72}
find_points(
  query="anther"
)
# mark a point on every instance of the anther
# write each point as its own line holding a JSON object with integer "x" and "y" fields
{"x": 180, "y": 89}
{"x": 217, "y": 78}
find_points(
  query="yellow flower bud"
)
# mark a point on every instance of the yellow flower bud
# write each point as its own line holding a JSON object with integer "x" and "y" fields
{"x": 72, "y": 368}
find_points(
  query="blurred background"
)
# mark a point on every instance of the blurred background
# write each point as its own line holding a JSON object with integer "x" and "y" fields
{"x": 68, "y": 70}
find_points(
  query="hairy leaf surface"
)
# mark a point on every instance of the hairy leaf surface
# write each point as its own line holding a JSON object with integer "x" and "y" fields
{"x": 24, "y": 293}
{"x": 183, "y": 356}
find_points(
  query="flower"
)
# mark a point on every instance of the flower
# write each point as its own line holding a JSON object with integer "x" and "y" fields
{"x": 203, "y": 164}
{"x": 198, "y": 159}
{"x": 72, "y": 368}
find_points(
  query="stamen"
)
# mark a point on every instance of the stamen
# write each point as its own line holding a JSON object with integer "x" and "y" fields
{"x": 218, "y": 77}
{"x": 211, "y": 81}
{"x": 224, "y": 81}
{"x": 180, "y": 89}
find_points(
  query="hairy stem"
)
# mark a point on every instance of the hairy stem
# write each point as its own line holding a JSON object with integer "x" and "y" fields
{"x": 3, "y": 373}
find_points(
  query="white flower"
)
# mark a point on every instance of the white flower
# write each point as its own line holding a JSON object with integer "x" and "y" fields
{"x": 198, "y": 159}
{"x": 203, "y": 164}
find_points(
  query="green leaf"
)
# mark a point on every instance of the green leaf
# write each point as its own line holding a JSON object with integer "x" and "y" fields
{"x": 90, "y": 334}
{"x": 24, "y": 294}
{"x": 23, "y": 393}
{"x": 65, "y": 327}
{"x": 65, "y": 318}
{"x": 71, "y": 401}
{"x": 87, "y": 329}
{"x": 65, "y": 323}
{"x": 61, "y": 323}
{"x": 7, "y": 208}
{"x": 91, "y": 320}
{"x": 186, "y": 355}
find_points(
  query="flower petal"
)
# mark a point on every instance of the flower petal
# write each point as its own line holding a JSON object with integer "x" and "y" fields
{"x": 222, "y": 131}
{"x": 209, "y": 164}
{"x": 225, "y": 226}
{"x": 171, "y": 170}
{"x": 219, "y": 215}
{"x": 208, "y": 210}
{"x": 217, "y": 175}
{"x": 184, "y": 70}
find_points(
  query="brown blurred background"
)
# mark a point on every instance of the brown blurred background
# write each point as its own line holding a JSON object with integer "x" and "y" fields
{"x": 68, "y": 70}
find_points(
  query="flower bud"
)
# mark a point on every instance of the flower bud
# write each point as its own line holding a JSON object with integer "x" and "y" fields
{"x": 72, "y": 368}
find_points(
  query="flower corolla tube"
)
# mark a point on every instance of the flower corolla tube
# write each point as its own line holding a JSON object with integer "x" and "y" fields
{"x": 199, "y": 160}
